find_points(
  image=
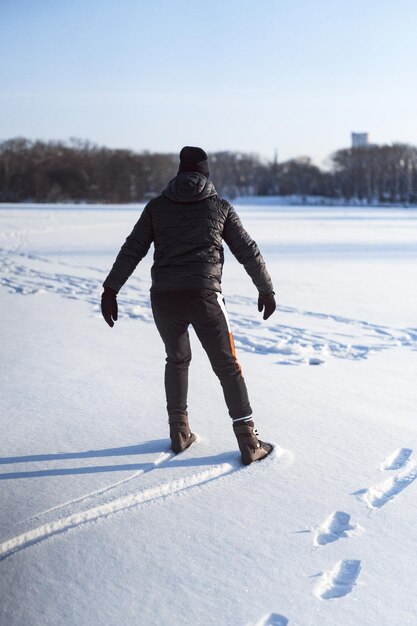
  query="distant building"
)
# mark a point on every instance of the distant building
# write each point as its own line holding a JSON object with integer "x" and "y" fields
{"x": 359, "y": 140}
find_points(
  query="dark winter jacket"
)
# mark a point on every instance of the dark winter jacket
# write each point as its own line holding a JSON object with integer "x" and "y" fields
{"x": 187, "y": 224}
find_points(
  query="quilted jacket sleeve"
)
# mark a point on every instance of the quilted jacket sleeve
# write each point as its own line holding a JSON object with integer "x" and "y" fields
{"x": 246, "y": 251}
{"x": 133, "y": 250}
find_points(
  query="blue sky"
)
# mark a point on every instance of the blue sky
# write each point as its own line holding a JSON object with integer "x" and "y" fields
{"x": 293, "y": 75}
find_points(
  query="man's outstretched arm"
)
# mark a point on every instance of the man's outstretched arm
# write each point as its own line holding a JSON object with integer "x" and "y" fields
{"x": 133, "y": 250}
{"x": 247, "y": 252}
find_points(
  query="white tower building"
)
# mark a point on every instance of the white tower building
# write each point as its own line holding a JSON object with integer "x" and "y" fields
{"x": 359, "y": 140}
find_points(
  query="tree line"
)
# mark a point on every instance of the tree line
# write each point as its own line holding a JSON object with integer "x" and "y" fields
{"x": 80, "y": 171}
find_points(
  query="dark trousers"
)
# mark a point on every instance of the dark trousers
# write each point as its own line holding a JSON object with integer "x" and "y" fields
{"x": 173, "y": 313}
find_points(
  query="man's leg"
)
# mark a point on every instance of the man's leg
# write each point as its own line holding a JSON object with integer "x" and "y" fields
{"x": 173, "y": 329}
{"x": 212, "y": 327}
{"x": 211, "y": 324}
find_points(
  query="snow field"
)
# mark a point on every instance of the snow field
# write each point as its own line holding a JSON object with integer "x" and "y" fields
{"x": 101, "y": 524}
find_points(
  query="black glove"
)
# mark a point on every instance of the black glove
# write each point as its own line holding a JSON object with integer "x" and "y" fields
{"x": 267, "y": 300}
{"x": 109, "y": 305}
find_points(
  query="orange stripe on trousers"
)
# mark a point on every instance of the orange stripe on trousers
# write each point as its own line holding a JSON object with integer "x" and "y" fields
{"x": 233, "y": 349}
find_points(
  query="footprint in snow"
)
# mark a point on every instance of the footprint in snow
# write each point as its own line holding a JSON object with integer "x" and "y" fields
{"x": 378, "y": 495}
{"x": 339, "y": 581}
{"x": 335, "y": 526}
{"x": 273, "y": 619}
{"x": 397, "y": 459}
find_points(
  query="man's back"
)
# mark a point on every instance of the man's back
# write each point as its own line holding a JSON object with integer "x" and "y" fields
{"x": 187, "y": 224}
{"x": 188, "y": 221}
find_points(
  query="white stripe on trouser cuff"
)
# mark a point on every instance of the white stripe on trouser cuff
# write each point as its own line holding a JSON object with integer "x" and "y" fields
{"x": 241, "y": 419}
{"x": 223, "y": 308}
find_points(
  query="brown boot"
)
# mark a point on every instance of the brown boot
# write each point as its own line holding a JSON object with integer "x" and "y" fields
{"x": 180, "y": 433}
{"x": 251, "y": 448}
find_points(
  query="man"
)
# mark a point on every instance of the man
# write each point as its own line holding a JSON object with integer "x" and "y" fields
{"x": 187, "y": 224}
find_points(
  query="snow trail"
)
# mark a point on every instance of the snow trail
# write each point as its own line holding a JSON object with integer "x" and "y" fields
{"x": 118, "y": 504}
{"x": 151, "y": 494}
{"x": 162, "y": 458}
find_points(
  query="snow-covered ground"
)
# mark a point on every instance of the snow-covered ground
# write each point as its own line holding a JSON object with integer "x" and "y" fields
{"x": 101, "y": 524}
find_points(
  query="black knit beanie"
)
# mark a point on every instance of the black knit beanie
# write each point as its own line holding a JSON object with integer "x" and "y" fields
{"x": 194, "y": 160}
